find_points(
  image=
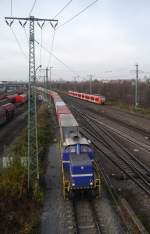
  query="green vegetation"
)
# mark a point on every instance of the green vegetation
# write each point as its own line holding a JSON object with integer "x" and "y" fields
{"x": 19, "y": 212}
{"x": 144, "y": 111}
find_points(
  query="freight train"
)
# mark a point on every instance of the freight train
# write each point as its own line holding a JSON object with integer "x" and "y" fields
{"x": 79, "y": 170}
{"x": 8, "y": 106}
{"x": 97, "y": 99}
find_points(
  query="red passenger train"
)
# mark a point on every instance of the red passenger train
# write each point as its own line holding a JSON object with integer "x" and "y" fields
{"x": 97, "y": 99}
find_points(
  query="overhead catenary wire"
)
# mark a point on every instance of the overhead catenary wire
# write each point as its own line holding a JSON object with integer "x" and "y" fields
{"x": 59, "y": 60}
{"x": 79, "y": 13}
{"x": 18, "y": 43}
{"x": 60, "y": 11}
{"x": 41, "y": 38}
{"x": 11, "y": 7}
{"x": 32, "y": 8}
{"x": 26, "y": 34}
{"x": 51, "y": 50}
{"x": 54, "y": 32}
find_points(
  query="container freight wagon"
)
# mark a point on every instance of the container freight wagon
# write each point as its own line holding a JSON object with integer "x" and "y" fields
{"x": 79, "y": 171}
{"x": 68, "y": 126}
{"x": 97, "y": 99}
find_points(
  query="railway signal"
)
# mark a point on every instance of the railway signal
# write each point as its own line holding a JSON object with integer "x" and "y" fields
{"x": 33, "y": 164}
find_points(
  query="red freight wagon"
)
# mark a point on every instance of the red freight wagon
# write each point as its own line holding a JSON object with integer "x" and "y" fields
{"x": 21, "y": 99}
{"x": 2, "y": 96}
{"x": 12, "y": 98}
{"x": 2, "y": 116}
{"x": 4, "y": 101}
{"x": 9, "y": 108}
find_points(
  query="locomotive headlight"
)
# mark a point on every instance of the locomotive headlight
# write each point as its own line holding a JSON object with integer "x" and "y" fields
{"x": 91, "y": 183}
{"x": 73, "y": 184}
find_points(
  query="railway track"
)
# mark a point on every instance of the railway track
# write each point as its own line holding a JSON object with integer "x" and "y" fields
{"x": 92, "y": 113}
{"x": 11, "y": 130}
{"x": 110, "y": 146}
{"x": 117, "y": 119}
{"x": 86, "y": 218}
{"x": 122, "y": 134}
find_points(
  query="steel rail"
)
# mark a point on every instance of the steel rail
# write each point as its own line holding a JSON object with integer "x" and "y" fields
{"x": 122, "y": 134}
{"x": 92, "y": 215}
{"x": 131, "y": 164}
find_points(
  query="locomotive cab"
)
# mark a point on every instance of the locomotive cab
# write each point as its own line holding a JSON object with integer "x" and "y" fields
{"x": 81, "y": 172}
{"x": 77, "y": 145}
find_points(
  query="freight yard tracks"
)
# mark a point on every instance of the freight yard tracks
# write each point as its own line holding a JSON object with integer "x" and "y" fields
{"x": 107, "y": 142}
{"x": 115, "y": 152}
{"x": 126, "y": 169}
{"x": 10, "y": 131}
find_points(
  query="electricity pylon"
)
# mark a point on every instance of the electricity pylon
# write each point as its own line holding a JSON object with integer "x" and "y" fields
{"x": 33, "y": 162}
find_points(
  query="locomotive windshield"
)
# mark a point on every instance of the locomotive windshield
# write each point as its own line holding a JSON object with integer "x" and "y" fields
{"x": 85, "y": 148}
{"x": 73, "y": 148}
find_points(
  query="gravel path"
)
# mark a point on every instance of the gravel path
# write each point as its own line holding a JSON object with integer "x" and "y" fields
{"x": 57, "y": 214}
{"x": 52, "y": 206}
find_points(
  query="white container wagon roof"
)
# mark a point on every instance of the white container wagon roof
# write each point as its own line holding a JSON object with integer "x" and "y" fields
{"x": 67, "y": 120}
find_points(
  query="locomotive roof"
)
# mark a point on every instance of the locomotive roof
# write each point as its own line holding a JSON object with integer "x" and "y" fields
{"x": 76, "y": 140}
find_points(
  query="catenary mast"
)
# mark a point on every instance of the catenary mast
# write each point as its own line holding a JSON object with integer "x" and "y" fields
{"x": 33, "y": 164}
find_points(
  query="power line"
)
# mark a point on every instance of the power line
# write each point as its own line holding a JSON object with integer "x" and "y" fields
{"x": 52, "y": 47}
{"x": 41, "y": 27}
{"x": 18, "y": 43}
{"x": 79, "y": 13}
{"x": 54, "y": 31}
{"x": 59, "y": 60}
{"x": 40, "y": 61}
{"x": 60, "y": 11}
{"x": 25, "y": 34}
{"x": 11, "y": 7}
{"x": 32, "y": 7}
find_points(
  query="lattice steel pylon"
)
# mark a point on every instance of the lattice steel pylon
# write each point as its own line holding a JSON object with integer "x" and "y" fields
{"x": 33, "y": 165}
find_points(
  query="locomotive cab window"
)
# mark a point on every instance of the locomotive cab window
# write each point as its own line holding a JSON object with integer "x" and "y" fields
{"x": 70, "y": 149}
{"x": 85, "y": 148}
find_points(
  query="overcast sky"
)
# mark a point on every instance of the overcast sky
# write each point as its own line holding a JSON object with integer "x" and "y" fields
{"x": 107, "y": 40}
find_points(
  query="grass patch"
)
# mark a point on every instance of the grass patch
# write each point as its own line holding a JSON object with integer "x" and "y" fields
{"x": 144, "y": 111}
{"x": 19, "y": 212}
